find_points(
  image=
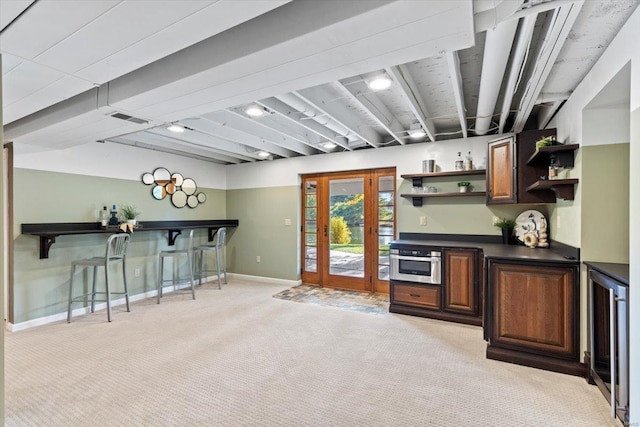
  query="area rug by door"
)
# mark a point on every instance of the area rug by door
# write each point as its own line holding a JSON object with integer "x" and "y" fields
{"x": 346, "y": 300}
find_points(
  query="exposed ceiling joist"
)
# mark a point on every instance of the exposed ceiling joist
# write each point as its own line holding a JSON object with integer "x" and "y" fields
{"x": 563, "y": 19}
{"x": 356, "y": 90}
{"x": 409, "y": 91}
{"x": 293, "y": 115}
{"x": 318, "y": 99}
{"x": 456, "y": 81}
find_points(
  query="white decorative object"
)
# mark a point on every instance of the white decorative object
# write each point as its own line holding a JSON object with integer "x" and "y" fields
{"x": 531, "y": 229}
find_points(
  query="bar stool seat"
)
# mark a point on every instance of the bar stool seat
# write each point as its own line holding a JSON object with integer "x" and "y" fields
{"x": 175, "y": 254}
{"x": 115, "y": 253}
{"x": 220, "y": 257}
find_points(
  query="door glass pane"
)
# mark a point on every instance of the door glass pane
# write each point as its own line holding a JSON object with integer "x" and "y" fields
{"x": 386, "y": 231}
{"x": 346, "y": 228}
{"x": 310, "y": 227}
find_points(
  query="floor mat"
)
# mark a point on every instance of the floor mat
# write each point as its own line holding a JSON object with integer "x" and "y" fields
{"x": 347, "y": 300}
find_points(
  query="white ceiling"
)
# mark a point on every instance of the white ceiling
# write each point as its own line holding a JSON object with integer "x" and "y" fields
{"x": 68, "y": 66}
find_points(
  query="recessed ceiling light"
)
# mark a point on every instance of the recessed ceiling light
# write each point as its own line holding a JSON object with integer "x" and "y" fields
{"x": 329, "y": 145}
{"x": 263, "y": 154}
{"x": 254, "y": 110}
{"x": 381, "y": 82}
{"x": 417, "y": 133}
{"x": 175, "y": 128}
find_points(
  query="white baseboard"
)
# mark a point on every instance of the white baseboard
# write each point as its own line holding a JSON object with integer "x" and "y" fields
{"x": 99, "y": 306}
{"x": 102, "y": 306}
{"x": 269, "y": 280}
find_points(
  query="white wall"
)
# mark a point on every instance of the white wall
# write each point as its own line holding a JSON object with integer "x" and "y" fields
{"x": 569, "y": 122}
{"x": 111, "y": 160}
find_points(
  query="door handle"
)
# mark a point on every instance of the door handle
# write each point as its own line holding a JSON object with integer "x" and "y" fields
{"x": 325, "y": 230}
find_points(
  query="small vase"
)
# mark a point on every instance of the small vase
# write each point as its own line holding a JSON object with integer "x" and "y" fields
{"x": 463, "y": 189}
{"x": 133, "y": 222}
{"x": 506, "y": 235}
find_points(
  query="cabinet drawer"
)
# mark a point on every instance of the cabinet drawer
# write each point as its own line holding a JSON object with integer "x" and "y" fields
{"x": 423, "y": 296}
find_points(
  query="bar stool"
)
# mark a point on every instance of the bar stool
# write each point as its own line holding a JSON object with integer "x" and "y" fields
{"x": 175, "y": 254}
{"x": 114, "y": 253}
{"x": 221, "y": 260}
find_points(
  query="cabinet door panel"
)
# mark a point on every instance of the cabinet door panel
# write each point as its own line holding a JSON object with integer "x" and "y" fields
{"x": 534, "y": 308}
{"x": 460, "y": 282}
{"x": 500, "y": 172}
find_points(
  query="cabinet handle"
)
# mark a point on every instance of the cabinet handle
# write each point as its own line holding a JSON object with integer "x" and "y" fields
{"x": 415, "y": 295}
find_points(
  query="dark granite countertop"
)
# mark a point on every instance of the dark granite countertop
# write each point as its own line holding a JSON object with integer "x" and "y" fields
{"x": 495, "y": 250}
{"x": 619, "y": 272}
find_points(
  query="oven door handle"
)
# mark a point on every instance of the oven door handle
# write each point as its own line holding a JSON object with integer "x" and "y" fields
{"x": 415, "y": 258}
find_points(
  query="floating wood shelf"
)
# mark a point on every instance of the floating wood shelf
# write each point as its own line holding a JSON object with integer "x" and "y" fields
{"x": 562, "y": 153}
{"x": 564, "y": 188}
{"x": 417, "y": 177}
{"x": 417, "y": 197}
{"x": 49, "y": 231}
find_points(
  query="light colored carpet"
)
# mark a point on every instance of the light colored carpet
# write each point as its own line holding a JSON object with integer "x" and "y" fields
{"x": 238, "y": 357}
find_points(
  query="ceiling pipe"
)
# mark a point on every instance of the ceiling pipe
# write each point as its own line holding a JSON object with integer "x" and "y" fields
{"x": 508, "y": 11}
{"x": 494, "y": 64}
{"x": 522, "y": 45}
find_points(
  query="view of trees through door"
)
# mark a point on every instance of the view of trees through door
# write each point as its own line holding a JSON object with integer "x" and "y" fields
{"x": 348, "y": 222}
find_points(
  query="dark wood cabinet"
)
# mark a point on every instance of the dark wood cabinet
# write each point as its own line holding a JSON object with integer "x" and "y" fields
{"x": 461, "y": 281}
{"x": 515, "y": 170}
{"x": 501, "y": 172}
{"x": 457, "y": 299}
{"x": 533, "y": 315}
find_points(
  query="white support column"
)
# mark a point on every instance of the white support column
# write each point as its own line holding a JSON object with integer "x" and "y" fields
{"x": 2, "y": 256}
{"x": 634, "y": 257}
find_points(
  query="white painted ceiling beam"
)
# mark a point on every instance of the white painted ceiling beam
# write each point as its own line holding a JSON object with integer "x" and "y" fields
{"x": 320, "y": 100}
{"x": 256, "y": 127}
{"x": 356, "y": 90}
{"x": 456, "y": 81}
{"x": 562, "y": 21}
{"x": 285, "y": 111}
{"x": 230, "y": 134}
{"x": 207, "y": 142}
{"x": 169, "y": 147}
{"x": 524, "y": 40}
{"x": 409, "y": 91}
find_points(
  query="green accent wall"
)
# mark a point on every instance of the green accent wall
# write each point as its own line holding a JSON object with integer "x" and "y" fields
{"x": 262, "y": 213}
{"x": 41, "y": 285}
{"x": 605, "y": 203}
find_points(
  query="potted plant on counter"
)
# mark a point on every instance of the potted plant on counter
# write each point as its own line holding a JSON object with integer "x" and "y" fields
{"x": 463, "y": 186}
{"x": 129, "y": 214}
{"x": 507, "y": 226}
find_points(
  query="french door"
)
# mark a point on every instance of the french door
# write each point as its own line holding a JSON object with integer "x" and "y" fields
{"x": 348, "y": 222}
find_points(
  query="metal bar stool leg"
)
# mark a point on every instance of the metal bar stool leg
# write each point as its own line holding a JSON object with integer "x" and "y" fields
{"x": 73, "y": 270}
{"x": 218, "y": 268}
{"x": 106, "y": 284}
{"x": 160, "y": 277}
{"x": 126, "y": 290}
{"x": 93, "y": 289}
{"x": 190, "y": 264}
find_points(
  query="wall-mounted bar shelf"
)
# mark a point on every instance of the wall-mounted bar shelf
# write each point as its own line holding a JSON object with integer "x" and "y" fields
{"x": 47, "y": 232}
{"x": 418, "y": 197}
{"x": 417, "y": 177}
{"x": 564, "y": 188}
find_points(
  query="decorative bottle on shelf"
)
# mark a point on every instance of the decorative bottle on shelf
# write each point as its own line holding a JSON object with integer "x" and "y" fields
{"x": 468, "y": 162}
{"x": 459, "y": 162}
{"x": 104, "y": 217}
{"x": 114, "y": 216}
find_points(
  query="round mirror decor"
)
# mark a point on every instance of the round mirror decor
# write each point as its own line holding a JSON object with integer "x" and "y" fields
{"x": 161, "y": 176}
{"x": 189, "y": 186}
{"x": 192, "y": 201}
{"x": 179, "y": 199}
{"x": 177, "y": 179}
{"x": 158, "y": 192}
{"x": 147, "y": 178}
{"x": 182, "y": 190}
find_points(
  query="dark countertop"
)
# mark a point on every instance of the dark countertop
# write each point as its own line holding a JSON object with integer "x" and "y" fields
{"x": 496, "y": 251}
{"x": 619, "y": 272}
